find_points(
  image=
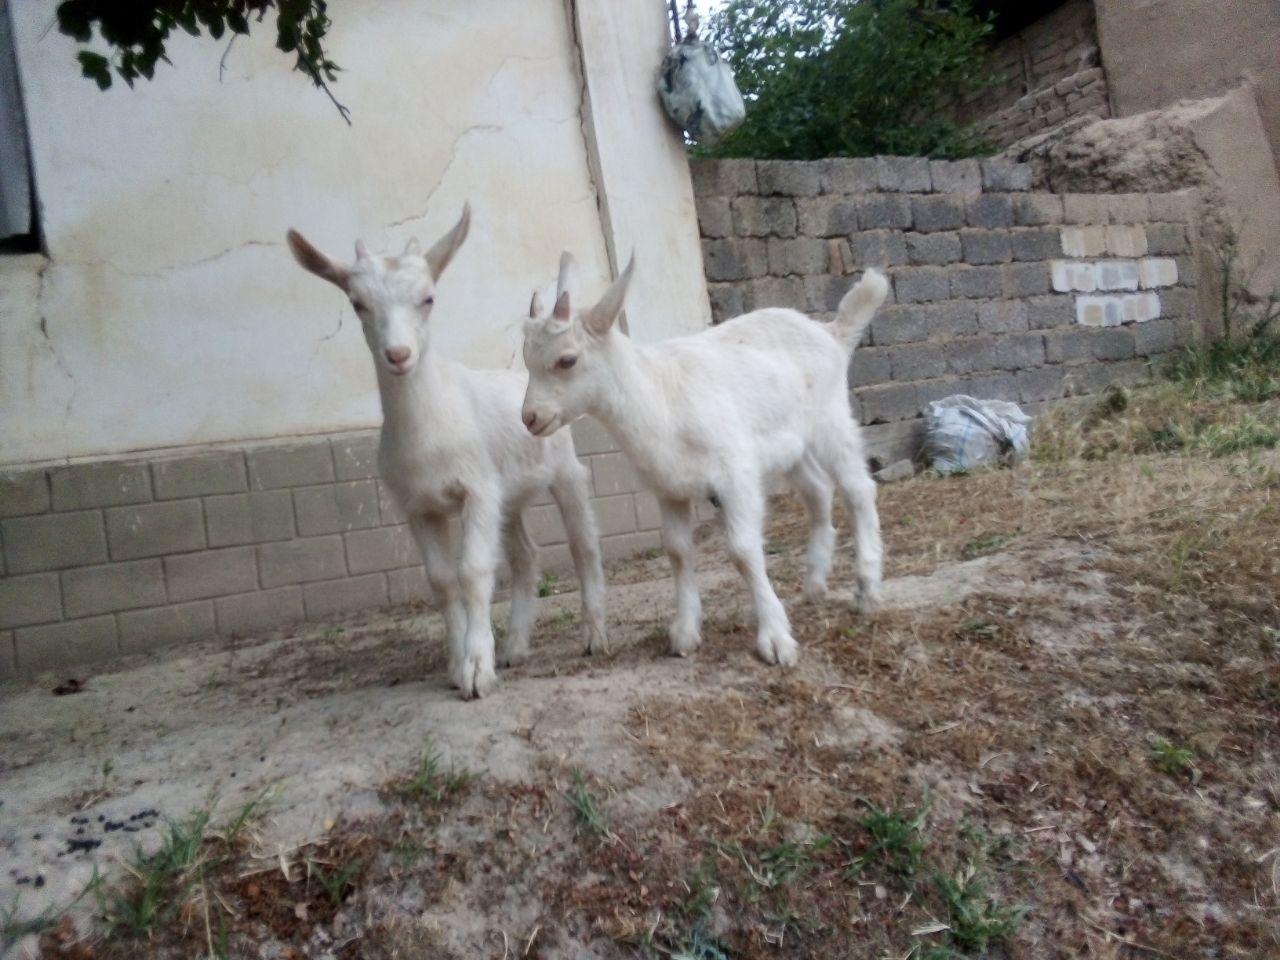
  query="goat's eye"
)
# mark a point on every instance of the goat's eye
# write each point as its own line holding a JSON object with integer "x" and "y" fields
{"x": 426, "y": 302}
{"x": 564, "y": 363}
{"x": 359, "y": 307}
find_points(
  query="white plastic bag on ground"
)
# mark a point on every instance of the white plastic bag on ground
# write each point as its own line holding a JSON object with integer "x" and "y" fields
{"x": 699, "y": 93}
{"x": 962, "y": 433}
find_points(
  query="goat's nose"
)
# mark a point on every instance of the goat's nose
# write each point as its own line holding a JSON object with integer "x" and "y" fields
{"x": 530, "y": 418}
{"x": 398, "y": 354}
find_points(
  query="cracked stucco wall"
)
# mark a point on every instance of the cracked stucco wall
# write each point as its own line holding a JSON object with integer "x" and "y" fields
{"x": 169, "y": 312}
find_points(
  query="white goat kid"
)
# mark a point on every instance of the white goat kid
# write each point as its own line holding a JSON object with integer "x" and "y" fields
{"x": 452, "y": 445}
{"x": 717, "y": 414}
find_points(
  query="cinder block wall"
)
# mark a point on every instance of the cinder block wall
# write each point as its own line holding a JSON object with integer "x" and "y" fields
{"x": 998, "y": 292}
{"x": 103, "y": 559}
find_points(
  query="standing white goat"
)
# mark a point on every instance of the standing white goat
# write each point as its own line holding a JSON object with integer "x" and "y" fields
{"x": 717, "y": 414}
{"x": 452, "y": 445}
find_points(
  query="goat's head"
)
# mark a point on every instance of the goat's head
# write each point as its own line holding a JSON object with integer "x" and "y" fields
{"x": 567, "y": 353}
{"x": 392, "y": 296}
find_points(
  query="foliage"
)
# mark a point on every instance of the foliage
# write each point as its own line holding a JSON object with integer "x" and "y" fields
{"x": 829, "y": 78}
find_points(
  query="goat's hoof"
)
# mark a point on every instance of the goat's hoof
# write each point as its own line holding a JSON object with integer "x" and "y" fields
{"x": 777, "y": 648}
{"x": 867, "y": 602}
{"x": 684, "y": 642}
{"x": 513, "y": 658}
{"x": 596, "y": 641}
{"x": 815, "y": 591}
{"x": 474, "y": 677}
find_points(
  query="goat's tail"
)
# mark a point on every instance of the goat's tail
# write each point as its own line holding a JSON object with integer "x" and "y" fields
{"x": 858, "y": 306}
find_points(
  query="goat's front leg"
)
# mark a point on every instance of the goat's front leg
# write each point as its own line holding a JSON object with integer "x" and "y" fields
{"x": 677, "y": 540}
{"x": 481, "y": 533}
{"x": 573, "y": 496}
{"x": 522, "y": 558}
{"x": 432, "y": 536}
{"x": 743, "y": 506}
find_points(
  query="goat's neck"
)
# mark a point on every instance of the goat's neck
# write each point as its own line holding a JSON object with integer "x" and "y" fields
{"x": 411, "y": 402}
{"x": 634, "y": 405}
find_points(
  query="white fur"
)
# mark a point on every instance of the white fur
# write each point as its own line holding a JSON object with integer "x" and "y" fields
{"x": 452, "y": 446}
{"x": 717, "y": 415}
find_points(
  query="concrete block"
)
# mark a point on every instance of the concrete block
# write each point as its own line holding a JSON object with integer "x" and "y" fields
{"x": 921, "y": 284}
{"x": 1179, "y": 207}
{"x": 615, "y": 515}
{"x": 1000, "y": 175}
{"x": 823, "y": 293}
{"x": 986, "y": 246}
{"x": 336, "y": 507}
{"x": 880, "y": 211}
{"x": 155, "y": 529}
{"x": 87, "y": 485}
{"x": 1099, "y": 311}
{"x": 1037, "y": 209}
{"x": 903, "y": 174}
{"x": 301, "y": 561}
{"x": 976, "y": 282}
{"x": 1090, "y": 241}
{"x": 1084, "y": 208}
{"x": 895, "y": 401}
{"x": 211, "y": 573}
{"x": 648, "y": 514}
{"x": 1167, "y": 239}
{"x": 1020, "y": 351}
{"x": 625, "y": 545}
{"x": 1116, "y": 343}
{"x": 355, "y": 456}
{"x": 956, "y": 176}
{"x": 294, "y": 465}
{"x": 53, "y": 541}
{"x": 897, "y": 324}
{"x": 791, "y": 178}
{"x": 775, "y": 292}
{"x": 933, "y": 248}
{"x": 1157, "y": 272}
{"x": 590, "y": 437}
{"x": 1038, "y": 385}
{"x": 1066, "y": 346}
{"x": 878, "y": 248}
{"x": 250, "y": 613}
{"x": 1025, "y": 279}
{"x": 8, "y": 656}
{"x": 1161, "y": 335}
{"x": 1126, "y": 241}
{"x": 23, "y": 493}
{"x": 1141, "y": 307}
{"x": 545, "y": 525}
{"x": 869, "y": 365}
{"x": 198, "y": 476}
{"x": 57, "y": 646}
{"x": 971, "y": 355}
{"x": 241, "y": 518}
{"x": 715, "y": 217}
{"x": 26, "y": 601}
{"x": 1071, "y": 275}
{"x": 1125, "y": 208}
{"x": 847, "y": 175}
{"x": 931, "y": 214}
{"x": 918, "y": 361}
{"x": 722, "y": 178}
{"x": 989, "y": 211}
{"x": 1003, "y": 316}
{"x": 145, "y": 630}
{"x": 765, "y": 216}
{"x": 1117, "y": 275}
{"x": 1036, "y": 243}
{"x": 1180, "y": 302}
{"x": 1044, "y": 313}
{"x": 831, "y": 216}
{"x": 383, "y": 548}
{"x": 320, "y": 600}
{"x": 951, "y": 318}
{"x": 989, "y": 386}
{"x": 113, "y": 586}
{"x": 737, "y": 259}
{"x": 803, "y": 256}
{"x": 410, "y": 585}
{"x": 726, "y": 301}
{"x": 612, "y": 473}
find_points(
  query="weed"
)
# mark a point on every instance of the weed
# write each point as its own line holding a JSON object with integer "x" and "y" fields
{"x": 974, "y": 918}
{"x": 337, "y": 884}
{"x": 163, "y": 879}
{"x": 981, "y": 546}
{"x": 429, "y": 783}
{"x": 894, "y": 838}
{"x": 1172, "y": 760}
{"x": 546, "y": 584}
{"x": 584, "y": 805}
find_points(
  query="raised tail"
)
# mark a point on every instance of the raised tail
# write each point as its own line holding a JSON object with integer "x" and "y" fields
{"x": 858, "y": 306}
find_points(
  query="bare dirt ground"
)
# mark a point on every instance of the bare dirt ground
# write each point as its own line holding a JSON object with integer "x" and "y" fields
{"x": 1059, "y": 739}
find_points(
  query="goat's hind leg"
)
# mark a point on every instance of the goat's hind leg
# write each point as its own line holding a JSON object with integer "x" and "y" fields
{"x": 677, "y": 539}
{"x": 744, "y": 528}
{"x": 815, "y": 489}
{"x": 572, "y": 495}
{"x": 841, "y": 453}
{"x": 522, "y": 559}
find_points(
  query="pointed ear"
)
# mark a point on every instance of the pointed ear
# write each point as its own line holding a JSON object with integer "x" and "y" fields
{"x": 411, "y": 249}
{"x": 600, "y": 318}
{"x": 562, "y": 311}
{"x": 312, "y": 260}
{"x": 567, "y": 281}
{"x": 442, "y": 251}
{"x": 535, "y": 306}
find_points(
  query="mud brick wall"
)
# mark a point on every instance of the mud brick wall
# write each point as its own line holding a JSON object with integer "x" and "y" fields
{"x": 99, "y": 560}
{"x": 998, "y": 292}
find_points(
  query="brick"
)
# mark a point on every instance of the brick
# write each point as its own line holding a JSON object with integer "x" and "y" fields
{"x": 1126, "y": 208}
{"x": 722, "y": 178}
{"x": 878, "y": 211}
{"x": 1005, "y": 175}
{"x": 933, "y": 248}
{"x": 792, "y": 178}
{"x": 936, "y": 213}
{"x": 1037, "y": 209}
{"x": 60, "y": 645}
{"x": 113, "y": 586}
{"x": 1178, "y": 207}
{"x": 648, "y": 513}
{"x": 8, "y": 656}
{"x": 1117, "y": 275}
{"x": 589, "y": 437}
{"x": 878, "y": 248}
{"x": 1126, "y": 241}
{"x": 1088, "y": 241}
{"x": 355, "y": 457}
{"x": 155, "y": 529}
{"x": 715, "y": 216}
{"x": 800, "y": 256}
{"x": 823, "y": 293}
{"x": 1019, "y": 351}
{"x": 303, "y": 560}
{"x": 626, "y": 545}
{"x": 918, "y": 361}
{"x": 896, "y": 401}
{"x": 847, "y": 175}
{"x": 1178, "y": 302}
{"x": 612, "y": 473}
{"x": 1036, "y": 243}
{"x": 990, "y": 386}
{"x": 211, "y": 573}
{"x": 971, "y": 355}
{"x": 25, "y": 601}
{"x": 241, "y": 518}
{"x": 989, "y": 211}
{"x": 24, "y": 493}
{"x": 775, "y": 292}
{"x": 986, "y": 246}
{"x": 1099, "y": 311}
{"x": 336, "y": 508}
{"x": 1141, "y": 307}
{"x": 545, "y": 525}
{"x": 895, "y": 324}
{"x": 383, "y": 548}
{"x": 199, "y": 476}
{"x": 408, "y": 586}
{"x": 975, "y": 282}
{"x": 1084, "y": 208}
{"x": 952, "y": 318}
{"x": 88, "y": 485}
{"x": 869, "y": 365}
{"x": 734, "y": 259}
{"x": 53, "y": 541}
{"x": 840, "y": 257}
{"x": 764, "y": 216}
{"x": 1064, "y": 346}
{"x": 726, "y": 301}
{"x": 1044, "y": 383}
{"x": 321, "y": 600}
{"x": 1157, "y": 272}
{"x": 1002, "y": 316}
{"x": 921, "y": 284}
{"x": 827, "y": 216}
{"x": 145, "y": 630}
{"x": 615, "y": 515}
{"x": 956, "y": 176}
{"x": 1025, "y": 279}
{"x": 1115, "y": 343}
{"x": 249, "y": 613}
{"x": 903, "y": 174}
{"x": 295, "y": 465}
{"x": 1161, "y": 336}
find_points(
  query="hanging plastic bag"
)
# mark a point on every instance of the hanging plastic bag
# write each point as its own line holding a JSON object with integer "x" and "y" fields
{"x": 962, "y": 433}
{"x": 698, "y": 91}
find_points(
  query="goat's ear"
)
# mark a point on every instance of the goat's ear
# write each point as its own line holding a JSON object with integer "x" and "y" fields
{"x": 442, "y": 251}
{"x": 312, "y": 260}
{"x": 567, "y": 281}
{"x": 535, "y": 306}
{"x": 600, "y": 318}
{"x": 362, "y": 252}
{"x": 411, "y": 249}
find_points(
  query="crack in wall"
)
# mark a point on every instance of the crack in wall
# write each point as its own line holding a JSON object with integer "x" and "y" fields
{"x": 55, "y": 356}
